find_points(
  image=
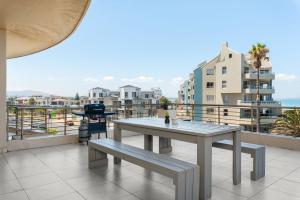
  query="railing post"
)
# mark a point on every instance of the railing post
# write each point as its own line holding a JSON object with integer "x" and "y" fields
{"x": 151, "y": 111}
{"x": 125, "y": 111}
{"x": 252, "y": 118}
{"x": 193, "y": 112}
{"x": 46, "y": 121}
{"x": 31, "y": 118}
{"x": 65, "y": 121}
{"x": 17, "y": 120}
{"x": 219, "y": 115}
{"x": 22, "y": 119}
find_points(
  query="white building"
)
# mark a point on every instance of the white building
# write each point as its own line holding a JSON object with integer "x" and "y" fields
{"x": 127, "y": 94}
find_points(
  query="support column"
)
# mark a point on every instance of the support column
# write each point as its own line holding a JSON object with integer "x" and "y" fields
{"x": 3, "y": 139}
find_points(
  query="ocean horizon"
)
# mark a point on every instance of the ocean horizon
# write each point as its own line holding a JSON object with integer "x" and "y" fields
{"x": 290, "y": 102}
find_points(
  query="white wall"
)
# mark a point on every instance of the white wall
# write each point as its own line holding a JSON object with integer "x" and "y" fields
{"x": 2, "y": 91}
{"x": 130, "y": 90}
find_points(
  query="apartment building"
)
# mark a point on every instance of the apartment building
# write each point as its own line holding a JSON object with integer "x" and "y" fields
{"x": 98, "y": 94}
{"x": 126, "y": 94}
{"x": 228, "y": 79}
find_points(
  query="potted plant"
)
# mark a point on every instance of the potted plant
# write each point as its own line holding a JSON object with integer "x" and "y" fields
{"x": 167, "y": 118}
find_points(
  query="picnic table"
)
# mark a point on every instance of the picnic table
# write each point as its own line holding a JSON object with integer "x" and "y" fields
{"x": 200, "y": 133}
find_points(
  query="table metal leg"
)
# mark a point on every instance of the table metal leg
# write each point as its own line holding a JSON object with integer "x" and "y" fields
{"x": 117, "y": 137}
{"x": 148, "y": 142}
{"x": 204, "y": 160}
{"x": 236, "y": 158}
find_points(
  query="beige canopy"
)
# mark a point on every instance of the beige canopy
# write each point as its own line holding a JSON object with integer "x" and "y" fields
{"x": 35, "y": 25}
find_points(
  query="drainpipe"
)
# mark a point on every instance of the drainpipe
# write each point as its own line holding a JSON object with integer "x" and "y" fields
{"x": 3, "y": 141}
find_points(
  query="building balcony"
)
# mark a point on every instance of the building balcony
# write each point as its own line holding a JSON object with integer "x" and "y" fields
{"x": 262, "y": 103}
{"x": 262, "y": 90}
{"x": 262, "y": 76}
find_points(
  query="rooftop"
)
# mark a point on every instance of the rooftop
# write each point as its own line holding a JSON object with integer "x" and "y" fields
{"x": 61, "y": 172}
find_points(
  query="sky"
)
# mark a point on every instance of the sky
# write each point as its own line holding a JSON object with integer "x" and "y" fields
{"x": 158, "y": 43}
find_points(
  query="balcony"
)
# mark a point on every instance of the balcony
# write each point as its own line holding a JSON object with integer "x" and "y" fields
{"x": 262, "y": 90}
{"x": 61, "y": 172}
{"x": 262, "y": 103}
{"x": 262, "y": 76}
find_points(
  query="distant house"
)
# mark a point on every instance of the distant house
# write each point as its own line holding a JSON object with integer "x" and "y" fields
{"x": 127, "y": 94}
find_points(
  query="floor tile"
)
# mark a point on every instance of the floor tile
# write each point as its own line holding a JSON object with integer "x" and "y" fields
{"x": 50, "y": 191}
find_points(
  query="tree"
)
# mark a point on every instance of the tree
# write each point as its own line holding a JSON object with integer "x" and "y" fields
{"x": 288, "y": 124}
{"x": 258, "y": 53}
{"x": 31, "y": 101}
{"x": 77, "y": 99}
{"x": 164, "y": 102}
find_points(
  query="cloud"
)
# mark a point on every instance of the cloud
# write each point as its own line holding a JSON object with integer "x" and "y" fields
{"x": 90, "y": 80}
{"x": 108, "y": 78}
{"x": 286, "y": 77}
{"x": 139, "y": 79}
{"x": 52, "y": 78}
{"x": 177, "y": 81}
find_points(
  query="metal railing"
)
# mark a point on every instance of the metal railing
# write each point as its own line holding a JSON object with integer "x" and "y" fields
{"x": 26, "y": 122}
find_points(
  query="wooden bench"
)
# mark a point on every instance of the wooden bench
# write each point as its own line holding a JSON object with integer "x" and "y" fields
{"x": 257, "y": 152}
{"x": 185, "y": 175}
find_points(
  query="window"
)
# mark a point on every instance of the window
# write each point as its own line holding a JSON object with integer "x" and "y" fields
{"x": 264, "y": 71}
{"x": 94, "y": 94}
{"x": 210, "y": 97}
{"x": 224, "y": 84}
{"x": 225, "y": 99}
{"x": 230, "y": 55}
{"x": 209, "y": 85}
{"x": 225, "y": 112}
{"x": 133, "y": 94}
{"x": 100, "y": 94}
{"x": 246, "y": 70}
{"x": 210, "y": 72}
{"x": 146, "y": 96}
{"x": 126, "y": 94}
{"x": 210, "y": 111}
{"x": 224, "y": 70}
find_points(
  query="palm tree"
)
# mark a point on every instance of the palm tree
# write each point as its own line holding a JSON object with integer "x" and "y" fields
{"x": 288, "y": 124}
{"x": 258, "y": 53}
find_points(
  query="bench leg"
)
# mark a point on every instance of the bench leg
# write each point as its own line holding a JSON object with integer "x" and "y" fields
{"x": 180, "y": 182}
{"x": 148, "y": 142}
{"x": 117, "y": 137}
{"x": 258, "y": 165}
{"x": 96, "y": 158}
{"x": 164, "y": 145}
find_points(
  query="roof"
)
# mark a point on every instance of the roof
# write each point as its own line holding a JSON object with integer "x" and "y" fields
{"x": 35, "y": 25}
{"x": 130, "y": 86}
{"x": 99, "y": 88}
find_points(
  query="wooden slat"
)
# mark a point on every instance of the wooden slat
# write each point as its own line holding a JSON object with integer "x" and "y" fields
{"x": 151, "y": 155}
{"x": 152, "y": 164}
{"x": 190, "y": 127}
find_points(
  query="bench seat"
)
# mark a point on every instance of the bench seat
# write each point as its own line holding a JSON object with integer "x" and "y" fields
{"x": 185, "y": 175}
{"x": 257, "y": 152}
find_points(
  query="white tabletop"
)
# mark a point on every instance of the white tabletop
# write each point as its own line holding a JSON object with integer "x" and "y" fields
{"x": 185, "y": 127}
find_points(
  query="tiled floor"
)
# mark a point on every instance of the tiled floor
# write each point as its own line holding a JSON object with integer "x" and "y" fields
{"x": 61, "y": 172}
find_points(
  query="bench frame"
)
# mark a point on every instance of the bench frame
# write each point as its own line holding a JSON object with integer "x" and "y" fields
{"x": 257, "y": 152}
{"x": 186, "y": 180}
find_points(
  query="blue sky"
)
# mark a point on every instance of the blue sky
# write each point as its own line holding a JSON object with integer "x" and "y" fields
{"x": 158, "y": 43}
